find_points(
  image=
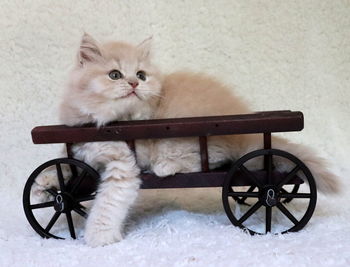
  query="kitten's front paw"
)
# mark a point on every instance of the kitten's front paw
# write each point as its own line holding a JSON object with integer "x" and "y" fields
{"x": 166, "y": 168}
{"x": 95, "y": 237}
{"x": 45, "y": 180}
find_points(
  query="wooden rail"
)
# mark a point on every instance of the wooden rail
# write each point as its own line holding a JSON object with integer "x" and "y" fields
{"x": 262, "y": 122}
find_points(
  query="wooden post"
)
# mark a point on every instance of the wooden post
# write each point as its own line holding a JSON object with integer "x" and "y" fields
{"x": 69, "y": 150}
{"x": 131, "y": 144}
{"x": 204, "y": 153}
{"x": 267, "y": 158}
{"x": 267, "y": 140}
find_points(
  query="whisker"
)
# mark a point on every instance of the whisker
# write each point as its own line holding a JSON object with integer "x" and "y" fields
{"x": 156, "y": 95}
{"x": 147, "y": 90}
{"x": 159, "y": 96}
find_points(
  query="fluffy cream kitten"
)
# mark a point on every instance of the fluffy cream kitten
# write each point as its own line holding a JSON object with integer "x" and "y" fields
{"x": 111, "y": 81}
{"x": 117, "y": 81}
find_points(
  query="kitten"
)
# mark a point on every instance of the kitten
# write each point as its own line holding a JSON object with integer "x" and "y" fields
{"x": 111, "y": 81}
{"x": 117, "y": 81}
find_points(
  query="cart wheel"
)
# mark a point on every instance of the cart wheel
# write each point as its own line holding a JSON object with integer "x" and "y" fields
{"x": 80, "y": 186}
{"x": 272, "y": 190}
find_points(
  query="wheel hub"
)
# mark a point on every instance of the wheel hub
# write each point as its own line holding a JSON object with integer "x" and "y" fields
{"x": 63, "y": 202}
{"x": 269, "y": 196}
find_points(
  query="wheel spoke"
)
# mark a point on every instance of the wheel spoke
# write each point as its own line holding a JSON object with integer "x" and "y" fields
{"x": 52, "y": 191}
{"x": 253, "y": 209}
{"x": 289, "y": 176}
{"x": 70, "y": 224}
{"x": 81, "y": 212}
{"x": 241, "y": 197}
{"x": 268, "y": 167}
{"x": 42, "y": 205}
{"x": 242, "y": 200}
{"x": 243, "y": 194}
{"x": 251, "y": 189}
{"x": 268, "y": 219}
{"x": 294, "y": 191}
{"x": 60, "y": 177}
{"x": 284, "y": 191}
{"x": 297, "y": 195}
{"x": 81, "y": 206}
{"x": 87, "y": 198}
{"x": 52, "y": 221}
{"x": 78, "y": 182}
{"x": 251, "y": 176}
{"x": 286, "y": 212}
{"x": 74, "y": 170}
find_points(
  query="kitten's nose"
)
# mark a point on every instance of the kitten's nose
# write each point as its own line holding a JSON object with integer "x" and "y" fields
{"x": 133, "y": 84}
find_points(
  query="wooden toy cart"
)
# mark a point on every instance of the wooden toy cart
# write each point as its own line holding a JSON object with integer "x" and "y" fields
{"x": 268, "y": 190}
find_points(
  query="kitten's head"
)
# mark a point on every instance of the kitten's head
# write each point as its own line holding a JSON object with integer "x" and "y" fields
{"x": 111, "y": 81}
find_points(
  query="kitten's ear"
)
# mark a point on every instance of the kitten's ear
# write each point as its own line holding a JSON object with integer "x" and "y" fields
{"x": 144, "y": 48}
{"x": 89, "y": 50}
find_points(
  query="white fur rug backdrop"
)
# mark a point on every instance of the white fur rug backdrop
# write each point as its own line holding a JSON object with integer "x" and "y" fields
{"x": 277, "y": 54}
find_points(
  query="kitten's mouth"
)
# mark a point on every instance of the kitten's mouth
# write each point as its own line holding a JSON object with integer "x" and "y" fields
{"x": 133, "y": 93}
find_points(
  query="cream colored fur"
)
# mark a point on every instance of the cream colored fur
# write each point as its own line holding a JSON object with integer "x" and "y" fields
{"x": 185, "y": 94}
{"x": 117, "y": 190}
{"x": 91, "y": 96}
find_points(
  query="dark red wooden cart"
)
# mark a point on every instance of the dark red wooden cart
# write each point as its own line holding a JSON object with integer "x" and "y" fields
{"x": 266, "y": 188}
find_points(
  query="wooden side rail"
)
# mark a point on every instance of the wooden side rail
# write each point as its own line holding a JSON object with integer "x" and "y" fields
{"x": 209, "y": 179}
{"x": 262, "y": 122}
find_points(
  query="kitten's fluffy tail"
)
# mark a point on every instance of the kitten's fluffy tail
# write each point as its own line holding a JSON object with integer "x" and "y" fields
{"x": 326, "y": 180}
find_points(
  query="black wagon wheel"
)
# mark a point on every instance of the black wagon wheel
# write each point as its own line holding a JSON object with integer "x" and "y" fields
{"x": 270, "y": 189}
{"x": 71, "y": 189}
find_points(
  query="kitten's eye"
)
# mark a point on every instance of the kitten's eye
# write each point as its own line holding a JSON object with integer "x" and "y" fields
{"x": 141, "y": 75}
{"x": 115, "y": 75}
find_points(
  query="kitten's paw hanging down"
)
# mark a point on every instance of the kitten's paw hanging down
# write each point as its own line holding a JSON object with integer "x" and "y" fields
{"x": 96, "y": 234}
{"x": 166, "y": 167}
{"x": 116, "y": 191}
